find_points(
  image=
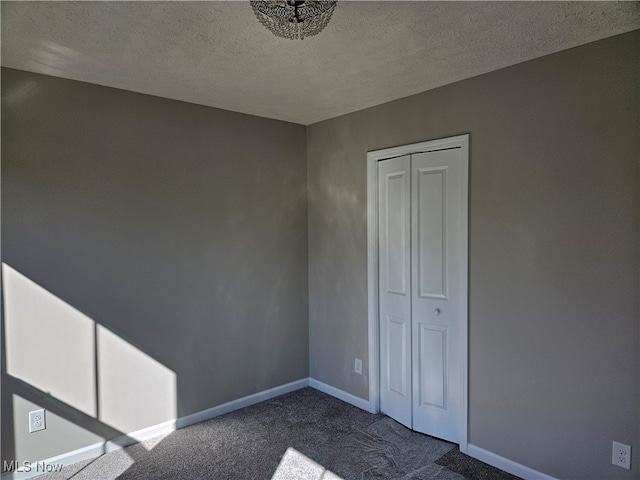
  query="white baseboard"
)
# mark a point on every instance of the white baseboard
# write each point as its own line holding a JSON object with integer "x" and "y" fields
{"x": 505, "y": 464}
{"x": 240, "y": 403}
{"x": 342, "y": 395}
{"x": 101, "y": 448}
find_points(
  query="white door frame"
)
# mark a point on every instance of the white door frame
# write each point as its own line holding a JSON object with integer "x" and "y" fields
{"x": 461, "y": 141}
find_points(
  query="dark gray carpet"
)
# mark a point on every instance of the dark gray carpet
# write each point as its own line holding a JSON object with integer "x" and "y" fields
{"x": 302, "y": 435}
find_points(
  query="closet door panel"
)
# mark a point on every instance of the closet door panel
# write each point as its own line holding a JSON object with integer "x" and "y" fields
{"x": 394, "y": 282}
{"x": 438, "y": 190}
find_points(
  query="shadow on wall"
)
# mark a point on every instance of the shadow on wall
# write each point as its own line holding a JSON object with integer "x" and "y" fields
{"x": 93, "y": 384}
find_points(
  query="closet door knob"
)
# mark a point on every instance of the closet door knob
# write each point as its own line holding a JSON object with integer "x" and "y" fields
{"x": 436, "y": 311}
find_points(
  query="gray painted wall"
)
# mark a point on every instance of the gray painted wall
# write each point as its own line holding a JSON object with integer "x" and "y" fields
{"x": 554, "y": 250}
{"x": 181, "y": 228}
{"x": 155, "y": 218}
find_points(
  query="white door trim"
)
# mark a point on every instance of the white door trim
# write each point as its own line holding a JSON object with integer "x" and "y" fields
{"x": 461, "y": 141}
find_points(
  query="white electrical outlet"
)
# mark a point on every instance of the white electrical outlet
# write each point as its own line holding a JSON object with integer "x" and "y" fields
{"x": 621, "y": 455}
{"x": 37, "y": 421}
{"x": 358, "y": 366}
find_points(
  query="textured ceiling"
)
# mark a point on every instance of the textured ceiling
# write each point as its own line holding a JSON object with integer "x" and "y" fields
{"x": 217, "y": 54}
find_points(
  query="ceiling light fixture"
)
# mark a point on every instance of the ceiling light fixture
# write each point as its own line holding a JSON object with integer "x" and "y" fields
{"x": 294, "y": 19}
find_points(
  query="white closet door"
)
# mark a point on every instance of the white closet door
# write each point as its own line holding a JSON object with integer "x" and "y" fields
{"x": 394, "y": 281}
{"x": 422, "y": 290}
{"x": 438, "y": 293}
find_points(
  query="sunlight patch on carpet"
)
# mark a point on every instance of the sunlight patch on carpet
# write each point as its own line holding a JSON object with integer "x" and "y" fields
{"x": 296, "y": 466}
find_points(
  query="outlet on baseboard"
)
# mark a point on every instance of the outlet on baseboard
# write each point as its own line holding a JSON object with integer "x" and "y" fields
{"x": 621, "y": 455}
{"x": 358, "y": 366}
